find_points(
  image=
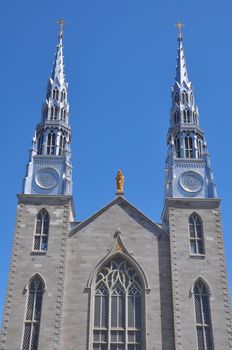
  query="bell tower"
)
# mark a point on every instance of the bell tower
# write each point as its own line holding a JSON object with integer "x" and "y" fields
{"x": 188, "y": 170}
{"x": 49, "y": 170}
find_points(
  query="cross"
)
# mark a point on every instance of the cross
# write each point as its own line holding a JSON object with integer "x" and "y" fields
{"x": 61, "y": 23}
{"x": 179, "y": 26}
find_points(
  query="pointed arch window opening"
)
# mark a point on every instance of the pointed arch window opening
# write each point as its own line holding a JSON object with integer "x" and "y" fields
{"x": 55, "y": 94}
{"x": 117, "y": 307}
{"x": 33, "y": 314}
{"x": 188, "y": 144}
{"x": 51, "y": 144}
{"x": 40, "y": 144}
{"x": 62, "y": 144}
{"x": 177, "y": 146}
{"x": 184, "y": 97}
{"x": 196, "y": 235}
{"x": 63, "y": 114}
{"x": 203, "y": 316}
{"x": 177, "y": 97}
{"x": 186, "y": 116}
{"x": 41, "y": 231}
{"x": 176, "y": 117}
{"x": 63, "y": 95}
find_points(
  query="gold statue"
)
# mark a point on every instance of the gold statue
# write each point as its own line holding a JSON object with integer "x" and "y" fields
{"x": 119, "y": 181}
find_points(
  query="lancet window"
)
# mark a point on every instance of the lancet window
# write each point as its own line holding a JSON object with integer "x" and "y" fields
{"x": 41, "y": 231}
{"x": 196, "y": 235}
{"x": 203, "y": 317}
{"x": 40, "y": 144}
{"x": 177, "y": 97}
{"x": 63, "y": 114}
{"x": 33, "y": 314}
{"x": 62, "y": 144}
{"x": 118, "y": 307}
{"x": 184, "y": 97}
{"x": 186, "y": 116}
{"x": 63, "y": 95}
{"x": 188, "y": 144}
{"x": 55, "y": 94}
{"x": 177, "y": 146}
{"x": 199, "y": 147}
{"x": 51, "y": 143}
{"x": 176, "y": 117}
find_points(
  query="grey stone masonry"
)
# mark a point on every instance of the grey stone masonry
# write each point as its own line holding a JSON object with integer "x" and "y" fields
{"x": 26, "y": 263}
{"x": 187, "y": 268}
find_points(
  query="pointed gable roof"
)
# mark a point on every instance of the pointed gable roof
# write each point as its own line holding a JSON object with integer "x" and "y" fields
{"x": 138, "y": 215}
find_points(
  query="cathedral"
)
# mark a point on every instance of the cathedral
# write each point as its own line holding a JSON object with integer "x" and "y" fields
{"x": 118, "y": 280}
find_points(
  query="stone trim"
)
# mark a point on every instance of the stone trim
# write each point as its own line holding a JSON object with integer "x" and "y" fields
{"x": 175, "y": 281}
{"x": 12, "y": 270}
{"x": 61, "y": 279}
{"x": 225, "y": 288}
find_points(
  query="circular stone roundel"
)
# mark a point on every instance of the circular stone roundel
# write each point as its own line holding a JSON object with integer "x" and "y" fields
{"x": 47, "y": 178}
{"x": 191, "y": 181}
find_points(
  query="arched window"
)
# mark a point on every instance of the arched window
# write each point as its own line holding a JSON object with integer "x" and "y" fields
{"x": 184, "y": 96}
{"x": 55, "y": 94}
{"x": 195, "y": 117}
{"x": 62, "y": 114}
{"x": 62, "y": 144}
{"x": 118, "y": 307}
{"x": 196, "y": 235}
{"x": 177, "y": 146}
{"x": 41, "y": 231}
{"x": 177, "y": 97}
{"x": 33, "y": 313}
{"x": 52, "y": 115}
{"x": 40, "y": 144}
{"x": 176, "y": 117}
{"x": 203, "y": 317}
{"x": 63, "y": 95}
{"x": 199, "y": 147}
{"x": 186, "y": 115}
{"x": 188, "y": 144}
{"x": 51, "y": 143}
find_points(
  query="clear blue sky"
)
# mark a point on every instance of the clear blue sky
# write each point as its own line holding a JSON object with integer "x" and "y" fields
{"x": 120, "y": 61}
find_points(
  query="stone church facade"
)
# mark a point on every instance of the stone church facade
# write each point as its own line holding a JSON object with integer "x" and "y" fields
{"x": 118, "y": 280}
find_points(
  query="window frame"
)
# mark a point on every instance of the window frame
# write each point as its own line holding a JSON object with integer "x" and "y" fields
{"x": 196, "y": 239}
{"x": 41, "y": 235}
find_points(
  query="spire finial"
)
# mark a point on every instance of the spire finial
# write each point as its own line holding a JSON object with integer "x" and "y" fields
{"x": 61, "y": 24}
{"x": 119, "y": 182}
{"x": 179, "y": 26}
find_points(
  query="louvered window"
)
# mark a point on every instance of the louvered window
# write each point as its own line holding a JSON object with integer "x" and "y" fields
{"x": 41, "y": 231}
{"x": 203, "y": 319}
{"x": 33, "y": 314}
{"x": 117, "y": 308}
{"x": 196, "y": 235}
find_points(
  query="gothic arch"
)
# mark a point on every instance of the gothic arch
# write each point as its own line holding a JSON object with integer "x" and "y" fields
{"x": 123, "y": 252}
{"x": 203, "y": 280}
{"x": 40, "y": 277}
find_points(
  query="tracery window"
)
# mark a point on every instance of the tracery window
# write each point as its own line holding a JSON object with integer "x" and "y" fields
{"x": 117, "y": 307}
{"x": 51, "y": 143}
{"x": 33, "y": 314}
{"x": 196, "y": 235}
{"x": 203, "y": 317}
{"x": 188, "y": 143}
{"x": 41, "y": 231}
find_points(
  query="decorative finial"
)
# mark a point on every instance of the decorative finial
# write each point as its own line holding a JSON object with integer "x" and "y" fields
{"x": 179, "y": 26}
{"x": 61, "y": 23}
{"x": 119, "y": 182}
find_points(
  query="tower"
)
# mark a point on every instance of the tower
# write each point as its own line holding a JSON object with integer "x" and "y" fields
{"x": 44, "y": 215}
{"x": 192, "y": 218}
{"x": 49, "y": 170}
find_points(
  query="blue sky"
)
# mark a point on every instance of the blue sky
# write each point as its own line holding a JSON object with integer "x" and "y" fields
{"x": 120, "y": 61}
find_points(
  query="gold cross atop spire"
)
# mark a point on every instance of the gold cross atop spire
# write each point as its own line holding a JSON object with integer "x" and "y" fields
{"x": 179, "y": 26}
{"x": 61, "y": 24}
